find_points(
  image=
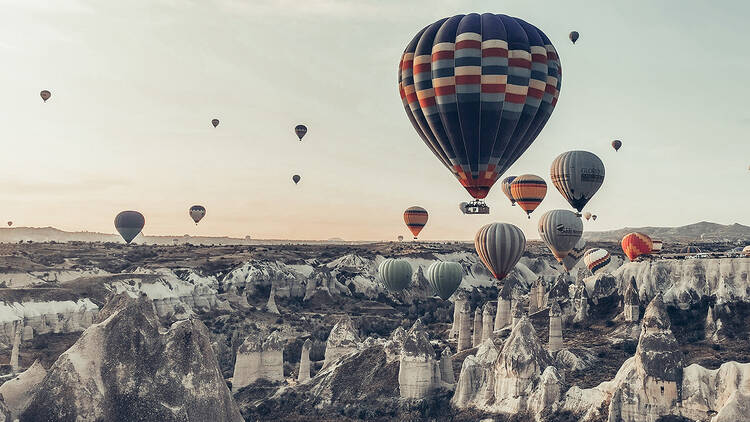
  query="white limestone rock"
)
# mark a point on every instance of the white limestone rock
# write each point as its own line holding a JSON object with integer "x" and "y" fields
{"x": 419, "y": 371}
{"x": 342, "y": 340}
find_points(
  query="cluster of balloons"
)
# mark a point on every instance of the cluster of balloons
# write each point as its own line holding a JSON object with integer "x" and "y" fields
{"x": 443, "y": 277}
{"x": 130, "y": 223}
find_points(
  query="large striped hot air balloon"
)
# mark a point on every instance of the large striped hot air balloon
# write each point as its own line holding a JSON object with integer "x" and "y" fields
{"x": 529, "y": 191}
{"x": 635, "y": 245}
{"x": 575, "y": 254}
{"x": 395, "y": 273}
{"x": 415, "y": 219}
{"x": 577, "y": 175}
{"x": 505, "y": 185}
{"x": 129, "y": 224}
{"x": 596, "y": 259}
{"x": 500, "y": 246}
{"x": 444, "y": 278}
{"x": 478, "y": 89}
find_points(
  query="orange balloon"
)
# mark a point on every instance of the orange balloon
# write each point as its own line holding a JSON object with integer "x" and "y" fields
{"x": 415, "y": 219}
{"x": 636, "y": 244}
{"x": 529, "y": 191}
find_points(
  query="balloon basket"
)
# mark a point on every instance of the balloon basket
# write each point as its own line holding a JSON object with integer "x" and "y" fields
{"x": 477, "y": 207}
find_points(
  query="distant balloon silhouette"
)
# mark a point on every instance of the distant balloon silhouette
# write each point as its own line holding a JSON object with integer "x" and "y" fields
{"x": 573, "y": 36}
{"x": 444, "y": 278}
{"x": 528, "y": 191}
{"x": 10, "y": 223}
{"x": 505, "y": 185}
{"x": 400, "y": 238}
{"x": 129, "y": 224}
{"x": 478, "y": 89}
{"x": 296, "y": 179}
{"x": 395, "y": 274}
{"x": 636, "y": 244}
{"x": 616, "y": 144}
{"x": 560, "y": 230}
{"x": 300, "y": 130}
{"x": 415, "y": 219}
{"x": 587, "y": 215}
{"x": 500, "y": 246}
{"x": 215, "y": 122}
{"x": 593, "y": 217}
{"x": 45, "y": 95}
{"x": 197, "y": 212}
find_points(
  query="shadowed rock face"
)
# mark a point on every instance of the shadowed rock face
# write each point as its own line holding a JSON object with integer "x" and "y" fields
{"x": 658, "y": 351}
{"x": 129, "y": 368}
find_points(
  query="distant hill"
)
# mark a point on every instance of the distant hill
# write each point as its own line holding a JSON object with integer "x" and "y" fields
{"x": 698, "y": 232}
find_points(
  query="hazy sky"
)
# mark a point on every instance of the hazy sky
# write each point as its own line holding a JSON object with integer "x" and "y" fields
{"x": 136, "y": 83}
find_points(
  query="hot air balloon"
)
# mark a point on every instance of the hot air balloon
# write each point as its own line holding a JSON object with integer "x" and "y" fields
{"x": 690, "y": 249}
{"x": 596, "y": 259}
{"x": 656, "y": 246}
{"x": 587, "y": 215}
{"x": 400, "y": 238}
{"x": 560, "y": 230}
{"x": 415, "y": 219}
{"x": 462, "y": 206}
{"x": 593, "y": 217}
{"x": 45, "y": 95}
{"x": 528, "y": 191}
{"x": 215, "y": 122}
{"x": 635, "y": 245}
{"x": 395, "y": 273}
{"x": 746, "y": 251}
{"x": 500, "y": 246}
{"x": 575, "y": 254}
{"x": 129, "y": 224}
{"x": 300, "y": 130}
{"x": 573, "y": 36}
{"x": 468, "y": 88}
{"x": 444, "y": 277}
{"x": 577, "y": 175}
{"x": 197, "y": 212}
{"x": 616, "y": 144}
{"x": 296, "y": 179}
{"x": 10, "y": 223}
{"x": 505, "y": 185}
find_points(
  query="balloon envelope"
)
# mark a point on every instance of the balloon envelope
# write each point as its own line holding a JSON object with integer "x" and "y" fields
{"x": 478, "y": 90}
{"x": 587, "y": 215}
{"x": 415, "y": 219}
{"x": 215, "y": 122}
{"x": 395, "y": 273}
{"x": 616, "y": 144}
{"x": 505, "y": 185}
{"x": 560, "y": 230}
{"x": 596, "y": 259}
{"x": 577, "y": 175}
{"x": 444, "y": 278}
{"x": 573, "y": 36}
{"x": 575, "y": 254}
{"x": 197, "y": 212}
{"x": 635, "y": 245}
{"x": 500, "y": 246}
{"x": 528, "y": 190}
{"x": 296, "y": 179}
{"x": 129, "y": 224}
{"x": 45, "y": 95}
{"x": 593, "y": 217}
{"x": 400, "y": 238}
{"x": 10, "y": 223}
{"x": 300, "y": 130}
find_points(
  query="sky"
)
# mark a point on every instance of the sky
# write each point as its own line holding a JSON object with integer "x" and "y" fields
{"x": 135, "y": 85}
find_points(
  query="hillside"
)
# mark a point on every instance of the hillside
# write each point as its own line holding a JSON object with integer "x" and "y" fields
{"x": 702, "y": 232}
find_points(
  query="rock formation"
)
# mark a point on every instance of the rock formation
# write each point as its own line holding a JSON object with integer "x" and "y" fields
{"x": 17, "y": 392}
{"x": 487, "y": 321}
{"x": 304, "y": 362}
{"x": 504, "y": 317}
{"x": 127, "y": 367}
{"x": 518, "y": 312}
{"x": 419, "y": 371}
{"x": 476, "y": 381}
{"x": 457, "y": 306}
{"x": 394, "y": 344}
{"x": 343, "y": 339}
{"x": 560, "y": 291}
{"x": 534, "y": 296}
{"x": 555, "y": 328}
{"x": 257, "y": 358}
{"x": 713, "y": 326}
{"x": 581, "y": 303}
{"x": 477, "y": 335}
{"x": 631, "y": 304}
{"x": 464, "y": 328}
{"x": 271, "y": 305}
{"x": 446, "y": 366}
{"x": 16, "y": 349}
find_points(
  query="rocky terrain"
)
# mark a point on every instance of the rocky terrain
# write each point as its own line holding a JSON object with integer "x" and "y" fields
{"x": 699, "y": 232}
{"x": 101, "y": 331}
